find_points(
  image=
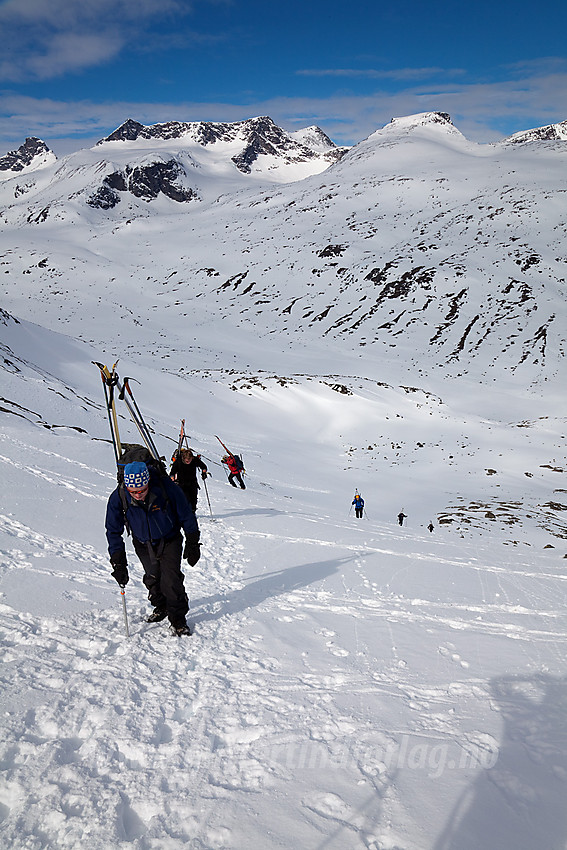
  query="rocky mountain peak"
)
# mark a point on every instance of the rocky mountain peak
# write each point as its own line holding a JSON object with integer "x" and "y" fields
{"x": 421, "y": 119}
{"x": 127, "y": 132}
{"x": 32, "y": 149}
{"x": 314, "y": 138}
{"x": 258, "y": 136}
{"x": 549, "y": 133}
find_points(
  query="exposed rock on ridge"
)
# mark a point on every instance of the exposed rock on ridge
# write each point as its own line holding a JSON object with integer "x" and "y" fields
{"x": 33, "y": 148}
{"x": 258, "y": 135}
{"x": 549, "y": 133}
{"x": 143, "y": 181}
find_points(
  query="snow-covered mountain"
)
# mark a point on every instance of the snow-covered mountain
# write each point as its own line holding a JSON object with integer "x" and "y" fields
{"x": 33, "y": 154}
{"x": 394, "y": 325}
{"x": 416, "y": 242}
{"x": 174, "y": 160}
{"x": 549, "y": 133}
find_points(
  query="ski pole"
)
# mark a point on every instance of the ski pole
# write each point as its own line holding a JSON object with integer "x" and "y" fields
{"x": 137, "y": 417}
{"x": 207, "y": 494}
{"x": 123, "y": 594}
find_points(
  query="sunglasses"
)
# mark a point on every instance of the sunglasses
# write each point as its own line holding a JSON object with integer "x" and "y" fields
{"x": 136, "y": 491}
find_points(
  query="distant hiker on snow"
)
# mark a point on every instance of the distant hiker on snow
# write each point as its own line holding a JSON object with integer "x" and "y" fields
{"x": 154, "y": 510}
{"x": 235, "y": 468}
{"x": 358, "y": 503}
{"x": 401, "y": 517}
{"x": 184, "y": 472}
{"x": 430, "y": 526}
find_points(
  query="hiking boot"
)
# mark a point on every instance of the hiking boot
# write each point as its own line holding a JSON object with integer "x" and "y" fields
{"x": 157, "y": 615}
{"x": 180, "y": 629}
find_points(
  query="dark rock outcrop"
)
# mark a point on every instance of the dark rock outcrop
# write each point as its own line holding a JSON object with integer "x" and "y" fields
{"x": 142, "y": 181}
{"x": 26, "y": 153}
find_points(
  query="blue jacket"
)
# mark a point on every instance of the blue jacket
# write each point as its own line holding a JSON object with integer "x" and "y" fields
{"x": 154, "y": 519}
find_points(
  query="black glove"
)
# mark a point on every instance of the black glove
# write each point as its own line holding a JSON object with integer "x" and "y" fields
{"x": 192, "y": 551}
{"x": 204, "y": 474}
{"x": 120, "y": 571}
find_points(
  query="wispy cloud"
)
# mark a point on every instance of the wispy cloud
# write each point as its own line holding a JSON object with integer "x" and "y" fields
{"x": 483, "y": 112}
{"x": 377, "y": 74}
{"x": 43, "y": 39}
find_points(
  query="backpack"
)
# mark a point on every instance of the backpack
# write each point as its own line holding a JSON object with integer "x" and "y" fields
{"x": 238, "y": 461}
{"x": 133, "y": 452}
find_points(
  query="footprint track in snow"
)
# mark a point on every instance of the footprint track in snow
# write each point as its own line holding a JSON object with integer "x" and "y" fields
{"x": 449, "y": 650}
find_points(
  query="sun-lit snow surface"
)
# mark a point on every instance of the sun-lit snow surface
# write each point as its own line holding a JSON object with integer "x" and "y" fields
{"x": 350, "y": 683}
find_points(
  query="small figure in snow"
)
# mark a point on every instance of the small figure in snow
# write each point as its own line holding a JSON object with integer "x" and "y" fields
{"x": 155, "y": 510}
{"x": 184, "y": 472}
{"x": 430, "y": 526}
{"x": 358, "y": 503}
{"x": 236, "y": 468}
{"x": 401, "y": 517}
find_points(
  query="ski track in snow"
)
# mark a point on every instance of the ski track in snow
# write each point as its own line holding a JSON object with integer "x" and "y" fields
{"x": 70, "y": 484}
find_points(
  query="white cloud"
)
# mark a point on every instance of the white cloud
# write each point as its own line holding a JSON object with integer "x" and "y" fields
{"x": 43, "y": 39}
{"x": 74, "y": 51}
{"x": 375, "y": 74}
{"x": 483, "y": 112}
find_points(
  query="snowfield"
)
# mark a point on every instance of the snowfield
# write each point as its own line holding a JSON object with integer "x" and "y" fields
{"x": 350, "y": 683}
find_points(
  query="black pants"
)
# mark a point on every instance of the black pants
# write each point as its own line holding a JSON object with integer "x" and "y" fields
{"x": 163, "y": 577}
{"x": 358, "y": 512}
{"x": 190, "y": 493}
{"x": 238, "y": 477}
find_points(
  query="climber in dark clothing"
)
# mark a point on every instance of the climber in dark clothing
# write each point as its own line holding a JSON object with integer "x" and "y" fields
{"x": 358, "y": 503}
{"x": 184, "y": 472}
{"x": 155, "y": 511}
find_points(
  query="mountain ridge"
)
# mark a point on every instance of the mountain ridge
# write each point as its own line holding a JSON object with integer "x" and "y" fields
{"x": 416, "y": 245}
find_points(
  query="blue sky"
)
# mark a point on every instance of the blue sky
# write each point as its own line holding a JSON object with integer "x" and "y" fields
{"x": 71, "y": 71}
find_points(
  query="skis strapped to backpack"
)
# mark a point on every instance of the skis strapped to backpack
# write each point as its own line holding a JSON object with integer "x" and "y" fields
{"x": 128, "y": 452}
{"x": 237, "y": 458}
{"x": 182, "y": 439}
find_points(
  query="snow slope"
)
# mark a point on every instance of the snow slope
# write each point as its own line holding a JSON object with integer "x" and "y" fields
{"x": 350, "y": 683}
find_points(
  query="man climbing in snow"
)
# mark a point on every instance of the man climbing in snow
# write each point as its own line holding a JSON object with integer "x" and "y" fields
{"x": 184, "y": 472}
{"x": 358, "y": 503}
{"x": 154, "y": 510}
{"x": 235, "y": 468}
{"x": 401, "y": 517}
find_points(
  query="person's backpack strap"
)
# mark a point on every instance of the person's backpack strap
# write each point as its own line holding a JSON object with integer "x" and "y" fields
{"x": 122, "y": 494}
{"x": 164, "y": 493}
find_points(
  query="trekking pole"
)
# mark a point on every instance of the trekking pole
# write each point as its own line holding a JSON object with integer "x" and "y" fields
{"x": 123, "y": 594}
{"x": 207, "y": 494}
